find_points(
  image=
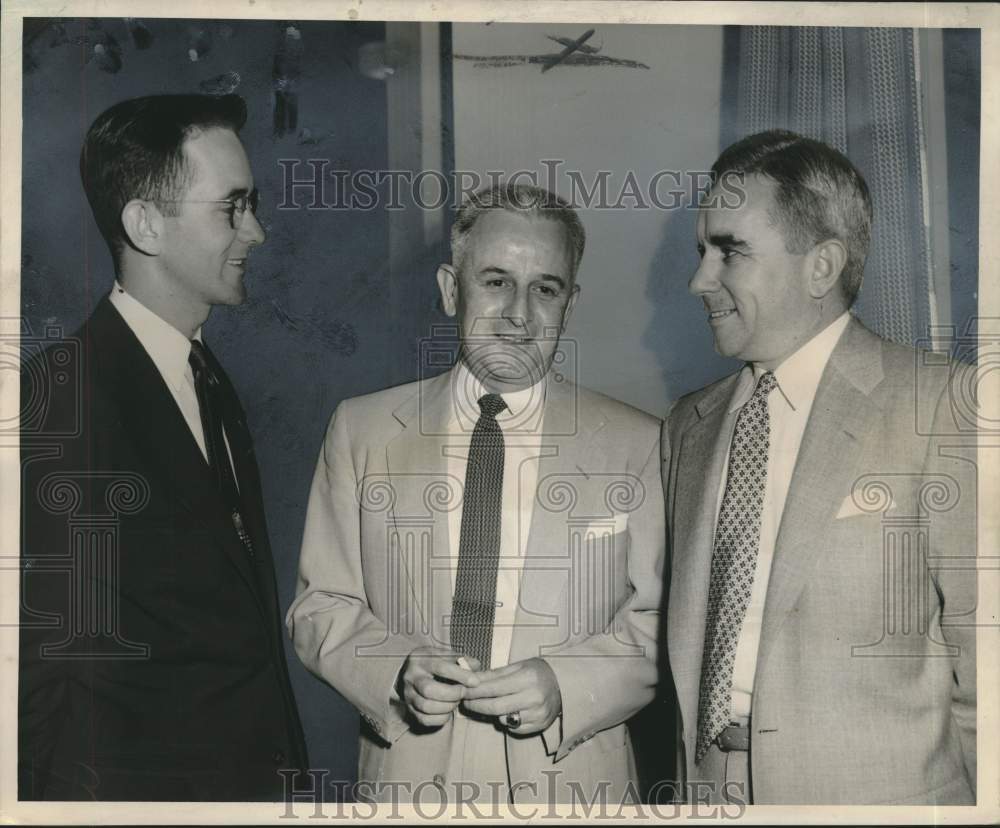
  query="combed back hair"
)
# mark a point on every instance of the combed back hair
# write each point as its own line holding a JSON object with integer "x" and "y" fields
{"x": 818, "y": 195}
{"x": 135, "y": 149}
{"x": 517, "y": 198}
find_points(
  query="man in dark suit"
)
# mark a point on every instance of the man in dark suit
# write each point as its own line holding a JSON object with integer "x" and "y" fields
{"x": 151, "y": 662}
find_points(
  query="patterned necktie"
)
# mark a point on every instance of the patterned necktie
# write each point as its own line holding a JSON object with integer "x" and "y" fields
{"x": 208, "y": 390}
{"x": 734, "y": 559}
{"x": 474, "y": 604}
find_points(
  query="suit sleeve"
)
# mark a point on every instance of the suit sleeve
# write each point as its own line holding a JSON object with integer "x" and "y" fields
{"x": 953, "y": 557}
{"x": 42, "y": 681}
{"x": 607, "y": 678}
{"x": 330, "y": 618}
{"x": 46, "y": 595}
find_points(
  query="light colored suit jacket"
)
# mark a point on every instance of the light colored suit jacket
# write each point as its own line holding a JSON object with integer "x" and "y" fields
{"x": 865, "y": 688}
{"x": 375, "y": 581}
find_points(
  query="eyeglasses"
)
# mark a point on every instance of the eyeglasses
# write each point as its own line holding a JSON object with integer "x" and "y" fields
{"x": 238, "y": 205}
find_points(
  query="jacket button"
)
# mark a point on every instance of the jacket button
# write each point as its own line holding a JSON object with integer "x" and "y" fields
{"x": 279, "y": 757}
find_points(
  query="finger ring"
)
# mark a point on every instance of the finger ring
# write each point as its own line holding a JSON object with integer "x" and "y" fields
{"x": 513, "y": 720}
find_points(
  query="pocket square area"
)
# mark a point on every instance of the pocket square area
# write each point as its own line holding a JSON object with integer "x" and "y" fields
{"x": 849, "y": 508}
{"x": 611, "y": 525}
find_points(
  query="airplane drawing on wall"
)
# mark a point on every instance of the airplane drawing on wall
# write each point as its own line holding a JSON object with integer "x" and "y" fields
{"x": 576, "y": 52}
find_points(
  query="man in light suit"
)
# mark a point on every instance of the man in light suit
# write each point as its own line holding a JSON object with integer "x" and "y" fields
{"x": 483, "y": 550}
{"x": 820, "y": 514}
{"x": 151, "y": 658}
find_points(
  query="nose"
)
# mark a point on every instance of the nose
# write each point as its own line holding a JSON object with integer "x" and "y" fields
{"x": 251, "y": 230}
{"x": 518, "y": 308}
{"x": 705, "y": 279}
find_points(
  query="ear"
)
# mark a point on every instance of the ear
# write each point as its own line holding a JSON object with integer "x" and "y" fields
{"x": 448, "y": 285}
{"x": 826, "y": 264}
{"x": 573, "y": 296}
{"x": 143, "y": 225}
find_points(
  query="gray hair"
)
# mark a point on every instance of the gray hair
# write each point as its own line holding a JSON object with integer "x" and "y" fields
{"x": 516, "y": 198}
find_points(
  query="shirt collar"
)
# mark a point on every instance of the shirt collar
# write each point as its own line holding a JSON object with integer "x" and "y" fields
{"x": 799, "y": 375}
{"x": 167, "y": 347}
{"x": 523, "y": 406}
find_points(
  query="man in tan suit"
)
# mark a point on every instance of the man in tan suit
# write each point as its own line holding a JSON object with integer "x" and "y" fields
{"x": 820, "y": 514}
{"x": 483, "y": 553}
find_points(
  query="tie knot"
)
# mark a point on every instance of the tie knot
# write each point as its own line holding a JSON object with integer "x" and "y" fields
{"x": 491, "y": 404}
{"x": 198, "y": 359}
{"x": 765, "y": 385}
{"x": 197, "y": 355}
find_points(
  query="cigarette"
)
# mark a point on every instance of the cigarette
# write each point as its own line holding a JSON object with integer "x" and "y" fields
{"x": 463, "y": 663}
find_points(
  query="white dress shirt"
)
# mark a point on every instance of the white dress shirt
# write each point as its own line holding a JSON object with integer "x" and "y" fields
{"x": 788, "y": 409}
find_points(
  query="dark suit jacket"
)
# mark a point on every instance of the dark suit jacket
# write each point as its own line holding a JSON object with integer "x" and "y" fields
{"x": 151, "y": 664}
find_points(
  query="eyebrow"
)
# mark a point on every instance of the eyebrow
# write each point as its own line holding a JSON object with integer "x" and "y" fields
{"x": 499, "y": 271}
{"x": 236, "y": 192}
{"x": 728, "y": 240}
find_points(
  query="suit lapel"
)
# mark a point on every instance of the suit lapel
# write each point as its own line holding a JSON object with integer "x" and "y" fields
{"x": 695, "y": 493}
{"x": 842, "y": 414}
{"x": 564, "y": 458}
{"x": 423, "y": 494}
{"x": 157, "y": 428}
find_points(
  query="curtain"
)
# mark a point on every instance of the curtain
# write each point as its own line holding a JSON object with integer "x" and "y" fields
{"x": 856, "y": 89}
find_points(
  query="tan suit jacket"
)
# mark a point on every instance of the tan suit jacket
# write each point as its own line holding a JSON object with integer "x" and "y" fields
{"x": 865, "y": 688}
{"x": 375, "y": 582}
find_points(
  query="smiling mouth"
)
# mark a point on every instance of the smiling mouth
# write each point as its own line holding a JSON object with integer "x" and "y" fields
{"x": 720, "y": 314}
{"x": 514, "y": 338}
{"x": 237, "y": 262}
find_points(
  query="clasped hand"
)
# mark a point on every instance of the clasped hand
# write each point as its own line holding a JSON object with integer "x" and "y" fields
{"x": 433, "y": 685}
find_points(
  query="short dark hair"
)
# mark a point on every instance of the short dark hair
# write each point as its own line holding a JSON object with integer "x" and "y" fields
{"x": 135, "y": 149}
{"x": 527, "y": 198}
{"x": 819, "y": 194}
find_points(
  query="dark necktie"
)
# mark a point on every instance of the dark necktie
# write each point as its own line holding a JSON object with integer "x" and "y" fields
{"x": 210, "y": 404}
{"x": 734, "y": 561}
{"x": 474, "y": 604}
